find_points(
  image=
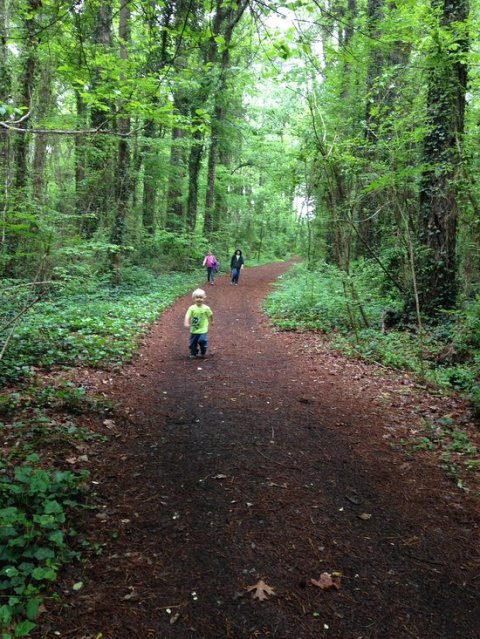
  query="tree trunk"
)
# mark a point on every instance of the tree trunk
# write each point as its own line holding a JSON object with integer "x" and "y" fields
{"x": 194, "y": 164}
{"x": 25, "y": 97}
{"x": 225, "y": 20}
{"x": 175, "y": 220}
{"x": 45, "y": 104}
{"x": 447, "y": 80}
{"x": 5, "y": 88}
{"x": 80, "y": 156}
{"x": 98, "y": 174}
{"x": 149, "y": 186}
{"x": 209, "y": 223}
{"x": 122, "y": 190}
{"x": 28, "y": 61}
{"x": 156, "y": 61}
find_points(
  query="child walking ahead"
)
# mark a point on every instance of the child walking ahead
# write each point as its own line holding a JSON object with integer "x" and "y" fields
{"x": 196, "y": 319}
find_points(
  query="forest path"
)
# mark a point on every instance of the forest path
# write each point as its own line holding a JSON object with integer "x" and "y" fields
{"x": 271, "y": 459}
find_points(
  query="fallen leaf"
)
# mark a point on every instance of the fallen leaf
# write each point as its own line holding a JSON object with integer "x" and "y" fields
{"x": 260, "y": 590}
{"x": 132, "y": 594}
{"x": 364, "y": 516}
{"x": 174, "y": 618}
{"x": 109, "y": 423}
{"x": 219, "y": 476}
{"x": 326, "y": 582}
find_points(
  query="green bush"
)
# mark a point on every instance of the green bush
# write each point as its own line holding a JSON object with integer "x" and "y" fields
{"x": 33, "y": 538}
{"x": 98, "y": 327}
{"x": 349, "y": 308}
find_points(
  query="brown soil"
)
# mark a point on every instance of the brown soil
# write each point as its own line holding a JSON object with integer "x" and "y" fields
{"x": 272, "y": 459}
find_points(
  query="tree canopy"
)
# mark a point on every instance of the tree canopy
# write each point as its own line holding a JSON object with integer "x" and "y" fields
{"x": 143, "y": 132}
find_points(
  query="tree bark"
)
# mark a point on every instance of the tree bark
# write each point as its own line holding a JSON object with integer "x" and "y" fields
{"x": 25, "y": 96}
{"x": 45, "y": 103}
{"x": 122, "y": 189}
{"x": 156, "y": 61}
{"x": 99, "y": 157}
{"x": 447, "y": 81}
{"x": 225, "y": 20}
{"x": 5, "y": 88}
{"x": 175, "y": 220}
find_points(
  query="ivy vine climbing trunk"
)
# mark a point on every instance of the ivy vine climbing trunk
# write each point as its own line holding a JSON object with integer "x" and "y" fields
{"x": 447, "y": 81}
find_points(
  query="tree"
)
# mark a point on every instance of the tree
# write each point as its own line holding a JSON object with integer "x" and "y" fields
{"x": 122, "y": 174}
{"x": 447, "y": 82}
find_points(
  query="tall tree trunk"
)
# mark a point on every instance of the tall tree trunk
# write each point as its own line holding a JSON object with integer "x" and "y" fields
{"x": 25, "y": 96}
{"x": 447, "y": 80}
{"x": 80, "y": 156}
{"x": 194, "y": 164}
{"x": 20, "y": 145}
{"x": 157, "y": 60}
{"x": 225, "y": 20}
{"x": 122, "y": 189}
{"x": 149, "y": 185}
{"x": 5, "y": 164}
{"x": 176, "y": 210}
{"x": 45, "y": 104}
{"x": 217, "y": 126}
{"x": 209, "y": 218}
{"x": 373, "y": 117}
{"x": 175, "y": 220}
{"x": 98, "y": 174}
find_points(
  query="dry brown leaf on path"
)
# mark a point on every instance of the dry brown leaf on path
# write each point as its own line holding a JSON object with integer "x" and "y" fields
{"x": 261, "y": 590}
{"x": 174, "y": 618}
{"x": 327, "y": 581}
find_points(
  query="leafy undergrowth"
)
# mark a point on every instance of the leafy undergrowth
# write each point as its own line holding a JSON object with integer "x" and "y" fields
{"x": 456, "y": 453}
{"x": 348, "y": 311}
{"x": 42, "y": 482}
{"x": 45, "y": 438}
{"x": 86, "y": 324}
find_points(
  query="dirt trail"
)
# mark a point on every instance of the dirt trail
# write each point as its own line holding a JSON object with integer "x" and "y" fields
{"x": 270, "y": 459}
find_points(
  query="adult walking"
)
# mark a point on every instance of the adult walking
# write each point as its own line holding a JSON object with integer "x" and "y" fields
{"x": 236, "y": 265}
{"x": 210, "y": 261}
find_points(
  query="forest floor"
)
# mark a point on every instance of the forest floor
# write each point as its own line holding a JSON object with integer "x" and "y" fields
{"x": 267, "y": 464}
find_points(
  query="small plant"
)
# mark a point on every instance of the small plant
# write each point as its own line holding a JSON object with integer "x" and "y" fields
{"x": 33, "y": 538}
{"x": 100, "y": 326}
{"x": 456, "y": 452}
{"x": 349, "y": 309}
{"x": 424, "y": 443}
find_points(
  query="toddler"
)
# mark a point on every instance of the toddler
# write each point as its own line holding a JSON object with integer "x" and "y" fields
{"x": 197, "y": 318}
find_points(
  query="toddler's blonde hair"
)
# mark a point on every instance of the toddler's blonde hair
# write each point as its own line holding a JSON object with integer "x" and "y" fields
{"x": 199, "y": 292}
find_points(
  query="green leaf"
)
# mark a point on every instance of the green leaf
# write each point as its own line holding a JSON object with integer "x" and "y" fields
{"x": 32, "y": 607}
{"x": 41, "y": 574}
{"x": 24, "y": 628}
{"x": 44, "y": 553}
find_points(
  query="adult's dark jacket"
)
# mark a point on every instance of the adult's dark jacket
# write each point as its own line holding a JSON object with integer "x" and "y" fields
{"x": 237, "y": 261}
